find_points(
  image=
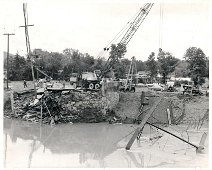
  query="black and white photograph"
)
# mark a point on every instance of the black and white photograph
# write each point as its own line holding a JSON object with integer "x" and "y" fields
{"x": 105, "y": 83}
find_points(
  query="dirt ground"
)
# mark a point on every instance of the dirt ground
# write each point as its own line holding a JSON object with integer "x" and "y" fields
{"x": 196, "y": 107}
{"x": 128, "y": 105}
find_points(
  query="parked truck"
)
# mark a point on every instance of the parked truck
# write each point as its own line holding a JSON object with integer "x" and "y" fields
{"x": 86, "y": 80}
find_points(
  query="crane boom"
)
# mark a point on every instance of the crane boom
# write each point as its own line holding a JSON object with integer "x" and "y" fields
{"x": 136, "y": 23}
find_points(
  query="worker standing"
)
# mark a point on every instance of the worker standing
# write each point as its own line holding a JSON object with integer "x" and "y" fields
{"x": 25, "y": 84}
{"x": 64, "y": 84}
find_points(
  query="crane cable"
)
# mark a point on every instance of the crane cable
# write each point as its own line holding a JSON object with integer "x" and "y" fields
{"x": 123, "y": 29}
{"x": 118, "y": 35}
{"x": 161, "y": 26}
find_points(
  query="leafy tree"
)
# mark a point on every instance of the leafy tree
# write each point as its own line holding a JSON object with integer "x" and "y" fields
{"x": 17, "y": 67}
{"x": 181, "y": 69}
{"x": 207, "y": 67}
{"x": 141, "y": 66}
{"x": 116, "y": 53}
{"x": 98, "y": 63}
{"x": 152, "y": 65}
{"x": 167, "y": 64}
{"x": 67, "y": 51}
{"x": 197, "y": 64}
{"x": 122, "y": 67}
{"x": 27, "y": 75}
{"x": 87, "y": 61}
{"x": 55, "y": 64}
{"x": 50, "y": 63}
{"x": 43, "y": 60}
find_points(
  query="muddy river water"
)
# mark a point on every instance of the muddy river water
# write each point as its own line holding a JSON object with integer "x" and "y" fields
{"x": 99, "y": 145}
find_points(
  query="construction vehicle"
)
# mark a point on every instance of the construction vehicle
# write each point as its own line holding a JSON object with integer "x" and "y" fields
{"x": 126, "y": 87}
{"x": 130, "y": 83}
{"x": 131, "y": 28}
{"x": 86, "y": 80}
{"x": 73, "y": 79}
{"x": 188, "y": 87}
{"x": 94, "y": 81}
{"x": 169, "y": 87}
{"x": 191, "y": 89}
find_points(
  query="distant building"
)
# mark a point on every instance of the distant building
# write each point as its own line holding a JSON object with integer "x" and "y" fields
{"x": 180, "y": 79}
{"x": 143, "y": 74}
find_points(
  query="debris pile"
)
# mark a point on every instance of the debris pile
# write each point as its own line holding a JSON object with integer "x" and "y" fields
{"x": 113, "y": 107}
{"x": 64, "y": 107}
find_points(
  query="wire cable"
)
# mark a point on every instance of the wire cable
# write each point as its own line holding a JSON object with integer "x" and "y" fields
{"x": 122, "y": 31}
{"x": 124, "y": 28}
{"x": 125, "y": 135}
{"x": 161, "y": 25}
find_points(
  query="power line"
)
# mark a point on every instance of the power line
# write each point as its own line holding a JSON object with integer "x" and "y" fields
{"x": 131, "y": 27}
{"x": 26, "y": 25}
{"x": 161, "y": 26}
{"x": 8, "y": 47}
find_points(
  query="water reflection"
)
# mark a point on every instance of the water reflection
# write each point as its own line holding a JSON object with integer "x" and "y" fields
{"x": 5, "y": 149}
{"x": 91, "y": 145}
{"x": 90, "y": 142}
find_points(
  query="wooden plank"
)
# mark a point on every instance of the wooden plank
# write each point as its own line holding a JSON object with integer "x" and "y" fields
{"x": 143, "y": 122}
{"x": 171, "y": 111}
{"x": 12, "y": 102}
{"x": 169, "y": 116}
{"x": 142, "y": 105}
{"x": 25, "y": 91}
{"x": 142, "y": 112}
{"x": 41, "y": 111}
{"x": 202, "y": 143}
{"x": 142, "y": 97}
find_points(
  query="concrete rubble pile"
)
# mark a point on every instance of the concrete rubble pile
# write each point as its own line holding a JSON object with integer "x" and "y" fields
{"x": 63, "y": 107}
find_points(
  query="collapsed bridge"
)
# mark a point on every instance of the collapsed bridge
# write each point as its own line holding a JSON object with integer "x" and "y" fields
{"x": 65, "y": 106}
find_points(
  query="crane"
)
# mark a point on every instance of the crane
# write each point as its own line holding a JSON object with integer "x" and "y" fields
{"x": 128, "y": 31}
{"x": 131, "y": 30}
{"x": 132, "y": 71}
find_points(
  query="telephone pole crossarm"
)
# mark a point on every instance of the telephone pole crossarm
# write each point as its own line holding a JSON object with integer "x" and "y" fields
{"x": 27, "y": 25}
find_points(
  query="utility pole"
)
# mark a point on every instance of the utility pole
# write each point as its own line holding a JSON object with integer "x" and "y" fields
{"x": 8, "y": 48}
{"x": 28, "y": 43}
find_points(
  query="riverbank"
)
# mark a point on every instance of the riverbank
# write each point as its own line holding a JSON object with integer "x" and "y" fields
{"x": 70, "y": 106}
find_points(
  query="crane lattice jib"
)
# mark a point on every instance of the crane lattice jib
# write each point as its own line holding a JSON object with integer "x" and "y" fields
{"x": 129, "y": 34}
{"x": 136, "y": 23}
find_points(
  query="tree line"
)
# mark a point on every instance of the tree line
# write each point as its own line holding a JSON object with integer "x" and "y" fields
{"x": 61, "y": 65}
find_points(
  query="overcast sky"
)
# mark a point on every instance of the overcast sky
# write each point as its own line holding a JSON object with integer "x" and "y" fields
{"x": 90, "y": 25}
